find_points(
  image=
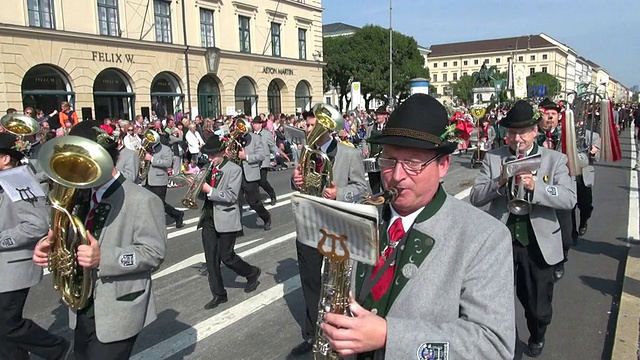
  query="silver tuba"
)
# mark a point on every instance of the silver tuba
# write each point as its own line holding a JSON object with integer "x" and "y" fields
{"x": 517, "y": 201}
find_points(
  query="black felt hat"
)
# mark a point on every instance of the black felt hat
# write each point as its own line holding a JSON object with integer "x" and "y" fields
{"x": 520, "y": 116}
{"x": 257, "y": 120}
{"x": 419, "y": 122}
{"x": 212, "y": 146}
{"x": 7, "y": 146}
{"x": 382, "y": 110}
{"x": 547, "y": 104}
{"x": 90, "y": 129}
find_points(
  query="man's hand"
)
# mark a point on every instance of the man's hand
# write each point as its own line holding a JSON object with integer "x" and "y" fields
{"x": 148, "y": 156}
{"x": 297, "y": 178}
{"x": 89, "y": 255}
{"x": 206, "y": 188}
{"x": 42, "y": 250}
{"x": 358, "y": 334}
{"x": 528, "y": 182}
{"x": 242, "y": 155}
{"x": 594, "y": 150}
{"x": 330, "y": 192}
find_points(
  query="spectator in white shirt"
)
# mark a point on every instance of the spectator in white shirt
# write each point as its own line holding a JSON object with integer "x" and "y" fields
{"x": 194, "y": 142}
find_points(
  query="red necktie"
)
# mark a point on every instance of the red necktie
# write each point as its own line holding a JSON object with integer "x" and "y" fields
{"x": 319, "y": 163}
{"x": 396, "y": 232}
{"x": 213, "y": 176}
{"x": 92, "y": 212}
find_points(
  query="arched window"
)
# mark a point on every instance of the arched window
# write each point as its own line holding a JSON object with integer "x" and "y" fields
{"x": 209, "y": 98}
{"x": 113, "y": 96}
{"x": 45, "y": 87}
{"x": 273, "y": 98}
{"x": 246, "y": 97}
{"x": 166, "y": 94}
{"x": 303, "y": 96}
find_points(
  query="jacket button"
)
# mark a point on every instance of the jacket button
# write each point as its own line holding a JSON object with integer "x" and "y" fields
{"x": 374, "y": 311}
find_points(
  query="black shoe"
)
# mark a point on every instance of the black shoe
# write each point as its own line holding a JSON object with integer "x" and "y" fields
{"x": 558, "y": 272}
{"x": 273, "y": 202}
{"x": 267, "y": 225}
{"x": 302, "y": 348}
{"x": 535, "y": 348}
{"x": 252, "y": 280}
{"x": 583, "y": 228}
{"x": 217, "y": 300}
{"x": 180, "y": 220}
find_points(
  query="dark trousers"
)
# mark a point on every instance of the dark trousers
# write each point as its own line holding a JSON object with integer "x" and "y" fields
{"x": 251, "y": 192}
{"x": 218, "y": 247}
{"x": 264, "y": 183}
{"x": 88, "y": 347}
{"x": 20, "y": 336}
{"x": 310, "y": 267}
{"x": 585, "y": 199}
{"x": 566, "y": 220}
{"x": 161, "y": 191}
{"x": 375, "y": 182}
{"x": 534, "y": 288}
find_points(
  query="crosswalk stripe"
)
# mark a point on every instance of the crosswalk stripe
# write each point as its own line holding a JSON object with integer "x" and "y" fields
{"x": 199, "y": 258}
{"x": 215, "y": 323}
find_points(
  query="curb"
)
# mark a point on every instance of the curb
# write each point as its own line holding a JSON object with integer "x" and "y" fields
{"x": 627, "y": 337}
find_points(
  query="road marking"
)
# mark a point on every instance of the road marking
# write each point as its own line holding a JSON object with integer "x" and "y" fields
{"x": 633, "y": 233}
{"x": 199, "y": 258}
{"x": 212, "y": 325}
{"x": 463, "y": 194}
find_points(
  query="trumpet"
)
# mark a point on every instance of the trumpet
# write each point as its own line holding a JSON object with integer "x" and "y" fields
{"x": 518, "y": 204}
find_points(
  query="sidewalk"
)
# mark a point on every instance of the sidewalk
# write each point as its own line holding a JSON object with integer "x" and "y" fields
{"x": 626, "y": 344}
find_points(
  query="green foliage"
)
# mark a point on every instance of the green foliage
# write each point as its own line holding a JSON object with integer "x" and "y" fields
{"x": 432, "y": 89}
{"x": 463, "y": 89}
{"x": 551, "y": 82}
{"x": 364, "y": 57}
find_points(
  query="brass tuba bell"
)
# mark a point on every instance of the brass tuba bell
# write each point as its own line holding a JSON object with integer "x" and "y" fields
{"x": 149, "y": 138}
{"x": 73, "y": 163}
{"x": 328, "y": 118}
{"x": 20, "y": 125}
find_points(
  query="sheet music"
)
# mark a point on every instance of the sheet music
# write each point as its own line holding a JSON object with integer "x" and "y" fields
{"x": 359, "y": 223}
{"x": 19, "y": 183}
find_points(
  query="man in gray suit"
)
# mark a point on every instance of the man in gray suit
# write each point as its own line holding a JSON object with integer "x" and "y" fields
{"x": 536, "y": 237}
{"x": 251, "y": 157}
{"x": 348, "y": 185}
{"x": 220, "y": 222}
{"x": 270, "y": 148}
{"x": 129, "y": 165}
{"x": 122, "y": 253}
{"x": 440, "y": 287}
{"x": 22, "y": 224}
{"x": 161, "y": 158}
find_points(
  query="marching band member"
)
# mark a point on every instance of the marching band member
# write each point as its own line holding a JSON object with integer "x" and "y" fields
{"x": 348, "y": 185}
{"x": 536, "y": 237}
{"x": 220, "y": 222}
{"x": 22, "y": 224}
{"x": 251, "y": 157}
{"x": 269, "y": 147}
{"x": 437, "y": 288}
{"x": 129, "y": 164}
{"x": 123, "y": 252}
{"x": 161, "y": 158}
{"x": 374, "y": 149}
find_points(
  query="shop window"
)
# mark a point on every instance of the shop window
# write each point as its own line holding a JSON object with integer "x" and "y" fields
{"x": 206, "y": 28}
{"x": 108, "y": 17}
{"x": 41, "y": 13}
{"x": 245, "y": 34}
{"x": 275, "y": 39}
{"x": 113, "y": 96}
{"x": 163, "y": 20}
{"x": 45, "y": 87}
{"x": 302, "y": 44}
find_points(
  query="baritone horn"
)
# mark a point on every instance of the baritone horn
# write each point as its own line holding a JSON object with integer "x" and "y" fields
{"x": 190, "y": 199}
{"x": 518, "y": 204}
{"x": 149, "y": 139}
{"x": 73, "y": 163}
{"x": 20, "y": 125}
{"x": 318, "y": 173}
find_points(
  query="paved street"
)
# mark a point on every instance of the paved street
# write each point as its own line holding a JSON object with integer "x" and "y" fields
{"x": 265, "y": 324}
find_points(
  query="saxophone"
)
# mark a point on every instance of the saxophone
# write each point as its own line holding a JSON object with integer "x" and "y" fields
{"x": 336, "y": 283}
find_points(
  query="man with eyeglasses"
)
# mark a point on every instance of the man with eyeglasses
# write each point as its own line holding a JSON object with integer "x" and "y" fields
{"x": 535, "y": 237}
{"x": 440, "y": 288}
{"x": 348, "y": 185}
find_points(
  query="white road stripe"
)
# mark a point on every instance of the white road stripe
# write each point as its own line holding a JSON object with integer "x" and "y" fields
{"x": 218, "y": 322}
{"x": 633, "y": 232}
{"x": 199, "y": 258}
{"x": 215, "y": 323}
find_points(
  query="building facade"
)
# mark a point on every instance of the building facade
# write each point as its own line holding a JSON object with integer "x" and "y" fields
{"x": 120, "y": 58}
{"x": 538, "y": 53}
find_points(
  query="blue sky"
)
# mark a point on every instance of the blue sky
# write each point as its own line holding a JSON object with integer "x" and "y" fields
{"x": 605, "y": 32}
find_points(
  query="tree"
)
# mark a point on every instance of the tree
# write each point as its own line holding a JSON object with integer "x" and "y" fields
{"x": 364, "y": 57}
{"x": 545, "y": 79}
{"x": 463, "y": 88}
